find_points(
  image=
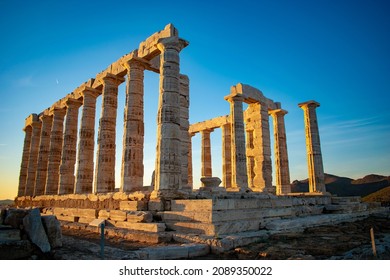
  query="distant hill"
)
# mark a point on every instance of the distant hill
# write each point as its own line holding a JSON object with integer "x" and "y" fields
{"x": 6, "y": 202}
{"x": 343, "y": 186}
{"x": 382, "y": 196}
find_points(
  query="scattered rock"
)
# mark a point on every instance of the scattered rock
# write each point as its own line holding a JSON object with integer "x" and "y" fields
{"x": 53, "y": 230}
{"x": 34, "y": 228}
{"x": 14, "y": 217}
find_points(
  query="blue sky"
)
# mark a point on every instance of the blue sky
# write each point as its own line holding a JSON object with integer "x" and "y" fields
{"x": 335, "y": 52}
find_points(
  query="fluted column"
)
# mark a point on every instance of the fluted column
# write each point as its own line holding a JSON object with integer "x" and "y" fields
{"x": 190, "y": 170}
{"x": 313, "y": 147}
{"x": 239, "y": 168}
{"x": 206, "y": 154}
{"x": 24, "y": 164}
{"x": 84, "y": 173}
{"x": 226, "y": 156}
{"x": 184, "y": 101}
{"x": 262, "y": 180}
{"x": 282, "y": 172}
{"x": 132, "y": 174}
{"x": 105, "y": 165}
{"x": 43, "y": 156}
{"x": 68, "y": 158}
{"x": 168, "y": 159}
{"x": 33, "y": 159}
{"x": 56, "y": 139}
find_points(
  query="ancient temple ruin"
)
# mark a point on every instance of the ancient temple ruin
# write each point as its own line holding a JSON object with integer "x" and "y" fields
{"x": 58, "y": 172}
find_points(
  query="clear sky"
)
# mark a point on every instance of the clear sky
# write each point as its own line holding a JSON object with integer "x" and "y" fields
{"x": 335, "y": 52}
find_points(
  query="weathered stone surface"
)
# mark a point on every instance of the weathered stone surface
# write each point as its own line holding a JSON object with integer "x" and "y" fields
{"x": 133, "y": 205}
{"x": 139, "y": 217}
{"x": 34, "y": 228}
{"x": 117, "y": 215}
{"x": 148, "y": 227}
{"x": 97, "y": 222}
{"x": 14, "y": 217}
{"x": 53, "y": 230}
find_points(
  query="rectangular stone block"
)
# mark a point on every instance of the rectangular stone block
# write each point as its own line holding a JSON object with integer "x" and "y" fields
{"x": 133, "y": 205}
{"x": 281, "y": 202}
{"x": 155, "y": 205}
{"x": 85, "y": 213}
{"x": 139, "y": 217}
{"x": 148, "y": 227}
{"x": 104, "y": 214}
{"x": 189, "y": 216}
{"x": 188, "y": 227}
{"x": 66, "y": 218}
{"x": 191, "y": 205}
{"x": 118, "y": 215}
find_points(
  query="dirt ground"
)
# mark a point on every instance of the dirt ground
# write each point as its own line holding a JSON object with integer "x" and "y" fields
{"x": 343, "y": 241}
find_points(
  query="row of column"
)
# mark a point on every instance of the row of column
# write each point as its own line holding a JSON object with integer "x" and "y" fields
{"x": 49, "y": 153}
{"x": 246, "y": 162}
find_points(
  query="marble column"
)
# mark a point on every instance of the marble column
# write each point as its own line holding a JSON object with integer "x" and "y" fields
{"x": 239, "y": 167}
{"x": 168, "y": 159}
{"x": 190, "y": 170}
{"x": 184, "y": 101}
{"x": 206, "y": 170}
{"x": 313, "y": 147}
{"x": 24, "y": 164}
{"x": 282, "y": 172}
{"x": 226, "y": 156}
{"x": 56, "y": 139}
{"x": 33, "y": 159}
{"x": 84, "y": 173}
{"x": 132, "y": 174}
{"x": 68, "y": 159}
{"x": 105, "y": 165}
{"x": 43, "y": 156}
{"x": 262, "y": 181}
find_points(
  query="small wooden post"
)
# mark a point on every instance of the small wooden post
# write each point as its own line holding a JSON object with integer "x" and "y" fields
{"x": 102, "y": 240}
{"x": 373, "y": 242}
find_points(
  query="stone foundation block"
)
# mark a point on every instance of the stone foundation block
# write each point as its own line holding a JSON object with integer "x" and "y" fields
{"x": 139, "y": 217}
{"x": 104, "y": 214}
{"x": 149, "y": 227}
{"x": 117, "y": 215}
{"x": 133, "y": 205}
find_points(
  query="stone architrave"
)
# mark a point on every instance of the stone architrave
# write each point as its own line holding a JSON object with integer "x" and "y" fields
{"x": 132, "y": 174}
{"x": 184, "y": 101}
{"x": 24, "y": 163}
{"x": 206, "y": 154}
{"x": 313, "y": 147}
{"x": 33, "y": 159}
{"x": 262, "y": 181}
{"x": 168, "y": 159}
{"x": 84, "y": 173}
{"x": 239, "y": 167}
{"x": 226, "y": 156}
{"x": 56, "y": 139}
{"x": 68, "y": 158}
{"x": 283, "y": 185}
{"x": 105, "y": 164}
{"x": 43, "y": 156}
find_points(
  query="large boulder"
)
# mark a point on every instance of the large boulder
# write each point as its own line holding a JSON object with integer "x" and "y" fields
{"x": 53, "y": 230}
{"x": 14, "y": 217}
{"x": 35, "y": 231}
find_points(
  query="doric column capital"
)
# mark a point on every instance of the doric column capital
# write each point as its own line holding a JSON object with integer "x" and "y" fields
{"x": 235, "y": 98}
{"x": 56, "y": 111}
{"x": 277, "y": 112}
{"x": 171, "y": 43}
{"x": 136, "y": 62}
{"x": 45, "y": 117}
{"x": 74, "y": 103}
{"x": 112, "y": 79}
{"x": 91, "y": 92}
{"x": 206, "y": 131}
{"x": 308, "y": 104}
